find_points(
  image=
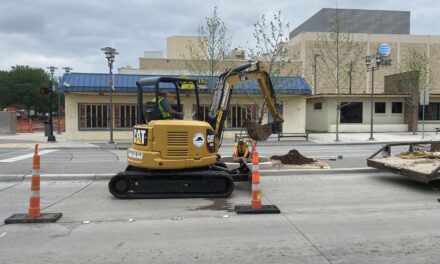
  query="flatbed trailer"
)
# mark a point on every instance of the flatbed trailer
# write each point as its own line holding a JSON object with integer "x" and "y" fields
{"x": 421, "y": 169}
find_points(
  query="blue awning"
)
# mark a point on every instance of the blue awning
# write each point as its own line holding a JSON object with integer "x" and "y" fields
{"x": 126, "y": 83}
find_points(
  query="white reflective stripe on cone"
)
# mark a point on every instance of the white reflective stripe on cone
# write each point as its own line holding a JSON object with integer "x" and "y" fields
{"x": 255, "y": 167}
{"x": 36, "y": 172}
{"x": 35, "y": 193}
{"x": 256, "y": 187}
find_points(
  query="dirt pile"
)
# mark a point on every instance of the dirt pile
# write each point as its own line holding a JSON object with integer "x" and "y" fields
{"x": 293, "y": 157}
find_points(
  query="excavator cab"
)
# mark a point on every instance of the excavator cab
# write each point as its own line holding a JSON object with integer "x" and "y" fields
{"x": 151, "y": 111}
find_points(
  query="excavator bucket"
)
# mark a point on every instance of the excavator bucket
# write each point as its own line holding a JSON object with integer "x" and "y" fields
{"x": 258, "y": 131}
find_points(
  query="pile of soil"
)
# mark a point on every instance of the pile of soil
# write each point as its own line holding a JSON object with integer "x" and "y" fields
{"x": 293, "y": 157}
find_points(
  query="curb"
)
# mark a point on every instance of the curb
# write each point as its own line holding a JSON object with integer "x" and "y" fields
{"x": 273, "y": 172}
{"x": 107, "y": 176}
{"x": 310, "y": 142}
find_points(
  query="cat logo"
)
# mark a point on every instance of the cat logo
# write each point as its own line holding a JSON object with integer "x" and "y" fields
{"x": 140, "y": 136}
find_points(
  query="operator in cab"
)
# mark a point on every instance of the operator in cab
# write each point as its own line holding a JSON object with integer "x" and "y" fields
{"x": 165, "y": 108}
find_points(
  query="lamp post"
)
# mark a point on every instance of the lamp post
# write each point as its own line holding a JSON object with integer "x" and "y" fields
{"x": 66, "y": 71}
{"x": 350, "y": 75}
{"x": 315, "y": 56}
{"x": 51, "y": 137}
{"x": 110, "y": 55}
{"x": 372, "y": 68}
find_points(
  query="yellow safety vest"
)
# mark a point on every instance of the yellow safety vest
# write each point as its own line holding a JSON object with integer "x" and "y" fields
{"x": 163, "y": 113}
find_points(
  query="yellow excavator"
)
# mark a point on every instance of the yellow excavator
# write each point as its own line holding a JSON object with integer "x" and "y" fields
{"x": 179, "y": 158}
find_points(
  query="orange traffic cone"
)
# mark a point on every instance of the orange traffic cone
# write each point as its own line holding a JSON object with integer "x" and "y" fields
{"x": 34, "y": 200}
{"x": 256, "y": 207}
{"x": 34, "y": 215}
{"x": 256, "y": 191}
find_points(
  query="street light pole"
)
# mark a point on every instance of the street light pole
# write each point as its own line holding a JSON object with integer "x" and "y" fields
{"x": 371, "y": 68}
{"x": 51, "y": 137}
{"x": 66, "y": 71}
{"x": 110, "y": 55}
{"x": 350, "y": 75}
{"x": 315, "y": 56}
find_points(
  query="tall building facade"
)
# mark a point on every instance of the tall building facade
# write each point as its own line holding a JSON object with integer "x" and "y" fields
{"x": 368, "y": 29}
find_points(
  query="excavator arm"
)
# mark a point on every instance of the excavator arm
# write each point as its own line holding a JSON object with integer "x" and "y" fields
{"x": 223, "y": 92}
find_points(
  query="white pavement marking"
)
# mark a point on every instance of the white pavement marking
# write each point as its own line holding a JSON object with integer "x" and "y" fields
{"x": 26, "y": 156}
{"x": 2, "y": 235}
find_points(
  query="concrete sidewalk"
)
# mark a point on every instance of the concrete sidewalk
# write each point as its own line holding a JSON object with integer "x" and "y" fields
{"x": 28, "y": 140}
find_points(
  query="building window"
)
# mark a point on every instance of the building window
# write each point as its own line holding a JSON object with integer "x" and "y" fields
{"x": 98, "y": 115}
{"x": 204, "y": 110}
{"x": 396, "y": 107}
{"x": 125, "y": 116}
{"x": 380, "y": 108}
{"x": 432, "y": 111}
{"x": 351, "y": 112}
{"x": 317, "y": 106}
{"x": 238, "y": 114}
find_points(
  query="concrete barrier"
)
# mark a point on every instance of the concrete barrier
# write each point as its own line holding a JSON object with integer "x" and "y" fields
{"x": 8, "y": 123}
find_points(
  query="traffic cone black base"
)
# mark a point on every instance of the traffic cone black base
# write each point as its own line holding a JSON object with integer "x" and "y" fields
{"x": 265, "y": 209}
{"x": 24, "y": 218}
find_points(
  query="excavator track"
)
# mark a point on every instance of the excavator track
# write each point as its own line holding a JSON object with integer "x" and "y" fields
{"x": 153, "y": 184}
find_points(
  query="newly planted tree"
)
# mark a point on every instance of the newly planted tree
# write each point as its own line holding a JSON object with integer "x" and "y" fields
{"x": 339, "y": 54}
{"x": 208, "y": 53}
{"x": 271, "y": 37}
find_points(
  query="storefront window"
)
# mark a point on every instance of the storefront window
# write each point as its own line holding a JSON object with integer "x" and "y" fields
{"x": 351, "y": 112}
{"x": 432, "y": 111}
{"x": 238, "y": 114}
{"x": 98, "y": 116}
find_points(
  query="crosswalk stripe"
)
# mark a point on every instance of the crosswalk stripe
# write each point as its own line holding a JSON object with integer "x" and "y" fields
{"x": 27, "y": 156}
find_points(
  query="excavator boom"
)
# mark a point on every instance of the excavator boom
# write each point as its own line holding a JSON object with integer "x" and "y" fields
{"x": 222, "y": 97}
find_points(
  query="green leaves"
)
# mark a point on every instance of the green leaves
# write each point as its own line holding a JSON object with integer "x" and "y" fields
{"x": 20, "y": 87}
{"x": 207, "y": 54}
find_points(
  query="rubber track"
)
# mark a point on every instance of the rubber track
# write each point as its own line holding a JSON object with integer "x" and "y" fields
{"x": 134, "y": 176}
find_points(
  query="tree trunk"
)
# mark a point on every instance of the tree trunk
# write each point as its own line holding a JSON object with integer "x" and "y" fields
{"x": 414, "y": 119}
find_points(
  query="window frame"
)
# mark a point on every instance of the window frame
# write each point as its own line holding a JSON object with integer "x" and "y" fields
{"x": 384, "y": 110}
{"x": 346, "y": 104}
{"x": 116, "y": 115}
{"x": 401, "y": 108}
{"x": 316, "y": 109}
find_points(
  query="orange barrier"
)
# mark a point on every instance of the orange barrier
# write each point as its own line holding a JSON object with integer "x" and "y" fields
{"x": 256, "y": 190}
{"x": 24, "y": 126}
{"x": 34, "y": 200}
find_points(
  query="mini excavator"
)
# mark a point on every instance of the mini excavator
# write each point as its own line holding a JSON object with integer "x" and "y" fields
{"x": 178, "y": 158}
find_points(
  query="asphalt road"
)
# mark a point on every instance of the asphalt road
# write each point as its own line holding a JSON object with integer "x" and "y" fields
{"x": 104, "y": 161}
{"x": 332, "y": 218}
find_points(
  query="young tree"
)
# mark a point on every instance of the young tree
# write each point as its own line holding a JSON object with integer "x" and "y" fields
{"x": 414, "y": 75}
{"x": 207, "y": 54}
{"x": 338, "y": 53}
{"x": 271, "y": 38}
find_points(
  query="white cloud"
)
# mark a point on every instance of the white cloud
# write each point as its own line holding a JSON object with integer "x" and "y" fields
{"x": 63, "y": 33}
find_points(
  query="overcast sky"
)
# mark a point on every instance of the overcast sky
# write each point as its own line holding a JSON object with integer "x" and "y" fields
{"x": 64, "y": 33}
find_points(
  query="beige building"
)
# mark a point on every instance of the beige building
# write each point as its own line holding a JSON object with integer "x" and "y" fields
{"x": 88, "y": 110}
